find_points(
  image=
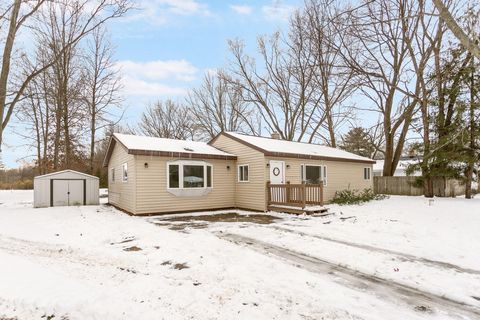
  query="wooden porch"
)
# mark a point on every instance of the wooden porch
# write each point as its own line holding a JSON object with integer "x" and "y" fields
{"x": 295, "y": 198}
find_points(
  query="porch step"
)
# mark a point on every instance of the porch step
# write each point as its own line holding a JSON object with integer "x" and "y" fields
{"x": 317, "y": 210}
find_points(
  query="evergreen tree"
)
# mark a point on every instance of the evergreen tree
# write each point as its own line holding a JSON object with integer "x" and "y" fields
{"x": 357, "y": 141}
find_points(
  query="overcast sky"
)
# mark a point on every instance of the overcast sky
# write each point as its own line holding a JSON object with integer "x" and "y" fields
{"x": 166, "y": 46}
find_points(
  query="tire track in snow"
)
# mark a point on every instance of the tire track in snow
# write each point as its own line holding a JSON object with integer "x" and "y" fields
{"x": 406, "y": 256}
{"x": 357, "y": 280}
{"x": 54, "y": 252}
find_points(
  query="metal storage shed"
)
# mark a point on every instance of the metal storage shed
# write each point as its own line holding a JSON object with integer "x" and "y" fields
{"x": 65, "y": 188}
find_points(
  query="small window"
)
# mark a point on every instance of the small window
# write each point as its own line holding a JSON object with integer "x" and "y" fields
{"x": 366, "y": 173}
{"x": 125, "y": 172}
{"x": 112, "y": 174}
{"x": 313, "y": 174}
{"x": 209, "y": 176}
{"x": 173, "y": 176}
{"x": 243, "y": 173}
{"x": 193, "y": 176}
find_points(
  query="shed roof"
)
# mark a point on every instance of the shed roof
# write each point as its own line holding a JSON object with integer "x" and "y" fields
{"x": 142, "y": 145}
{"x": 65, "y": 171}
{"x": 293, "y": 149}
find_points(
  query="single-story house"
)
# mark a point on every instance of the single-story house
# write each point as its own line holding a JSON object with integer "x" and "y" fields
{"x": 155, "y": 175}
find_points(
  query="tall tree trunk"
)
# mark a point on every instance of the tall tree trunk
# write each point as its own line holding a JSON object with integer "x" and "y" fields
{"x": 92, "y": 139}
{"x": 471, "y": 151}
{"x": 6, "y": 58}
{"x": 58, "y": 130}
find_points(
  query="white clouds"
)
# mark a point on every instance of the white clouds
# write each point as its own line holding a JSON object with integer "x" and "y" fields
{"x": 137, "y": 87}
{"x": 183, "y": 7}
{"x": 277, "y": 10}
{"x": 242, "y": 9}
{"x": 156, "y": 78}
{"x": 159, "y": 12}
{"x": 160, "y": 69}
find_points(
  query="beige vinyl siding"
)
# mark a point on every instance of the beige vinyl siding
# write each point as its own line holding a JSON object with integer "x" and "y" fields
{"x": 340, "y": 175}
{"x": 120, "y": 193}
{"x": 251, "y": 194}
{"x": 153, "y": 197}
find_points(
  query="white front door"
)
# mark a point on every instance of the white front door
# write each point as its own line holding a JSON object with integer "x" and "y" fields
{"x": 277, "y": 172}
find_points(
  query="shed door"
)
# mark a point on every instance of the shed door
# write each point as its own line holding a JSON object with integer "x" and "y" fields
{"x": 75, "y": 192}
{"x": 60, "y": 193}
{"x": 67, "y": 192}
{"x": 277, "y": 172}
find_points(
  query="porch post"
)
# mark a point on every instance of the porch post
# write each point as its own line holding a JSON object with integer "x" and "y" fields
{"x": 321, "y": 194}
{"x": 304, "y": 194}
{"x": 287, "y": 192}
{"x": 269, "y": 193}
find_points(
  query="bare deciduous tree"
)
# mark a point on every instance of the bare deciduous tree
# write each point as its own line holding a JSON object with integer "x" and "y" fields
{"x": 217, "y": 106}
{"x": 317, "y": 24}
{"x": 91, "y": 13}
{"x": 102, "y": 86}
{"x": 167, "y": 120}
{"x": 390, "y": 60}
{"x": 470, "y": 44}
{"x": 282, "y": 87}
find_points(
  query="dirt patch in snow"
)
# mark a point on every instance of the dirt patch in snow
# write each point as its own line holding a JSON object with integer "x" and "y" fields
{"x": 132, "y": 248}
{"x": 226, "y": 217}
{"x": 180, "y": 266}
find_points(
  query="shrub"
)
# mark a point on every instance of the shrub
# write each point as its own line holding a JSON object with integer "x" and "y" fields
{"x": 349, "y": 196}
{"x": 17, "y": 185}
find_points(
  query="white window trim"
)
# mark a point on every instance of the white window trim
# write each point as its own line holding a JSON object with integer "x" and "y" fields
{"x": 124, "y": 168}
{"x": 323, "y": 172}
{"x": 238, "y": 173}
{"x": 182, "y": 163}
{"x": 206, "y": 176}
{"x": 112, "y": 174}
{"x": 369, "y": 173}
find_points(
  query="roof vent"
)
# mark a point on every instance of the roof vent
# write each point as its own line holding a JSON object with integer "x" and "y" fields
{"x": 275, "y": 135}
{"x": 188, "y": 149}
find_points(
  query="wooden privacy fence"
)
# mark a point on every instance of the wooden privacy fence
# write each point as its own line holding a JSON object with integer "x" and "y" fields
{"x": 406, "y": 186}
{"x": 297, "y": 195}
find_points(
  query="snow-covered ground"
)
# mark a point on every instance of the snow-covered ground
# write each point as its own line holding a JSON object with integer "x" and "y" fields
{"x": 399, "y": 258}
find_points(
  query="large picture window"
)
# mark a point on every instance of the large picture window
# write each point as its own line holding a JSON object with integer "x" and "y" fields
{"x": 193, "y": 176}
{"x": 189, "y": 174}
{"x": 314, "y": 174}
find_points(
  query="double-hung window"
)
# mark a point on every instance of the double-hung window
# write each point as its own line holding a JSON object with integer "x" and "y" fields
{"x": 189, "y": 175}
{"x": 243, "y": 173}
{"x": 112, "y": 174}
{"x": 367, "y": 173}
{"x": 314, "y": 174}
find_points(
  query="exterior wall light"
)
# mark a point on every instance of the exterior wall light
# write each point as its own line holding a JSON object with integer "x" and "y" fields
{"x": 145, "y": 165}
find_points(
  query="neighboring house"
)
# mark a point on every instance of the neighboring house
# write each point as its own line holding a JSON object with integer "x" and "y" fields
{"x": 155, "y": 175}
{"x": 401, "y": 169}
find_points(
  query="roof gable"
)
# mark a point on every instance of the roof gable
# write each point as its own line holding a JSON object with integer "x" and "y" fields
{"x": 152, "y": 146}
{"x": 65, "y": 171}
{"x": 292, "y": 149}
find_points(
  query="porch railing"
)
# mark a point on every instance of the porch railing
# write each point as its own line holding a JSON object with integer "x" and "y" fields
{"x": 296, "y": 195}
